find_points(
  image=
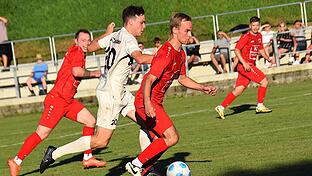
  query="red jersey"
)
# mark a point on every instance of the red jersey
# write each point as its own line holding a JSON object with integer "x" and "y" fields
{"x": 66, "y": 84}
{"x": 167, "y": 65}
{"x": 250, "y": 44}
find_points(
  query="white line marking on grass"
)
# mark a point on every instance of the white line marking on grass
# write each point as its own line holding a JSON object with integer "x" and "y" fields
{"x": 189, "y": 113}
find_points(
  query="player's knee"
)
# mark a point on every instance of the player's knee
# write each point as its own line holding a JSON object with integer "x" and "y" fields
{"x": 172, "y": 140}
{"x": 264, "y": 82}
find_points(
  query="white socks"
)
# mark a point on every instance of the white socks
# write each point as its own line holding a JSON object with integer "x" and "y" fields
{"x": 144, "y": 139}
{"x": 260, "y": 104}
{"x": 18, "y": 161}
{"x": 137, "y": 162}
{"x": 87, "y": 156}
{"x": 79, "y": 145}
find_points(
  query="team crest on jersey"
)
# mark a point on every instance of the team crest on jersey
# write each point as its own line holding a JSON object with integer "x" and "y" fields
{"x": 115, "y": 40}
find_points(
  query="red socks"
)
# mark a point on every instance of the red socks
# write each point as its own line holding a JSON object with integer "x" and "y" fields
{"x": 88, "y": 131}
{"x": 155, "y": 148}
{"x": 261, "y": 94}
{"x": 228, "y": 100}
{"x": 29, "y": 144}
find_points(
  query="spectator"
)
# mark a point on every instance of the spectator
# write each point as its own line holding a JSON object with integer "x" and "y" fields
{"x": 5, "y": 47}
{"x": 157, "y": 44}
{"x": 192, "y": 51}
{"x": 300, "y": 40}
{"x": 309, "y": 49}
{"x": 220, "y": 51}
{"x": 284, "y": 39}
{"x": 267, "y": 38}
{"x": 38, "y": 75}
{"x": 137, "y": 68}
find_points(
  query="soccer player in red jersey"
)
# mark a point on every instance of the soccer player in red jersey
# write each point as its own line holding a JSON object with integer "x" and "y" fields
{"x": 247, "y": 50}
{"x": 60, "y": 102}
{"x": 168, "y": 64}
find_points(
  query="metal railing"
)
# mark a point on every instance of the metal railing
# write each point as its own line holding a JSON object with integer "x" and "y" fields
{"x": 215, "y": 23}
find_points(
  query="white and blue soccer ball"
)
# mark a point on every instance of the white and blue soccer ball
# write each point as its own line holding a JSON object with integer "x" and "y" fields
{"x": 178, "y": 168}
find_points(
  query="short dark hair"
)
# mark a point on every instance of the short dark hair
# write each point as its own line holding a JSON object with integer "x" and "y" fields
{"x": 140, "y": 43}
{"x": 82, "y": 31}
{"x": 297, "y": 21}
{"x": 156, "y": 39}
{"x": 254, "y": 19}
{"x": 131, "y": 11}
{"x": 176, "y": 19}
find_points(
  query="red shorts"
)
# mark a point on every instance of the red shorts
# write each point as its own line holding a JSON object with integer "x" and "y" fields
{"x": 55, "y": 108}
{"x": 158, "y": 124}
{"x": 244, "y": 77}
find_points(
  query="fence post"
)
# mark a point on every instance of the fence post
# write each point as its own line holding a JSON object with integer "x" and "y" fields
{"x": 13, "y": 54}
{"x": 275, "y": 49}
{"x": 302, "y": 14}
{"x": 16, "y": 82}
{"x": 305, "y": 13}
{"x": 258, "y": 12}
{"x": 51, "y": 49}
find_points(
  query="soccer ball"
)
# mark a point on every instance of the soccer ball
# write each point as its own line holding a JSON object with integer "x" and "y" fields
{"x": 178, "y": 168}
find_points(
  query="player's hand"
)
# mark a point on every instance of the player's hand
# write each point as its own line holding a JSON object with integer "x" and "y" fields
{"x": 211, "y": 90}
{"x": 150, "y": 110}
{"x": 110, "y": 28}
{"x": 246, "y": 67}
{"x": 96, "y": 73}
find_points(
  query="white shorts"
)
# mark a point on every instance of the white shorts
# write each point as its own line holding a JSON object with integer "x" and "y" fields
{"x": 110, "y": 108}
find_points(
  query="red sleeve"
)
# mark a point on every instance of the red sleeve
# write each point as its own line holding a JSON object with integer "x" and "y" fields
{"x": 77, "y": 59}
{"x": 159, "y": 63}
{"x": 260, "y": 43}
{"x": 183, "y": 68}
{"x": 242, "y": 42}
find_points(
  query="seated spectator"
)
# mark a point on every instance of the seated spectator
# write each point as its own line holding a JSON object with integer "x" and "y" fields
{"x": 38, "y": 75}
{"x": 157, "y": 44}
{"x": 308, "y": 54}
{"x": 138, "y": 68}
{"x": 5, "y": 46}
{"x": 267, "y": 38}
{"x": 220, "y": 51}
{"x": 192, "y": 51}
{"x": 300, "y": 41}
{"x": 284, "y": 40}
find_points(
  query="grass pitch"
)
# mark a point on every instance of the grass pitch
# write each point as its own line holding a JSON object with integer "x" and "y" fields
{"x": 273, "y": 144}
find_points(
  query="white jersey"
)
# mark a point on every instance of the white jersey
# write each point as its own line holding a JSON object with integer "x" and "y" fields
{"x": 119, "y": 46}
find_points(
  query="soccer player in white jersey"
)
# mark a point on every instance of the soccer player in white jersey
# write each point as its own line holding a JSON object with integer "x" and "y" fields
{"x": 121, "y": 48}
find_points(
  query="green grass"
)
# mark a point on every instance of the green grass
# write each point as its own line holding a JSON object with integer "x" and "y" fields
{"x": 277, "y": 143}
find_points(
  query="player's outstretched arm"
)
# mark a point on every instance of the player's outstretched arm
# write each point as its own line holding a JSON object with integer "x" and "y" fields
{"x": 94, "y": 46}
{"x": 142, "y": 58}
{"x": 189, "y": 83}
{"x": 84, "y": 73}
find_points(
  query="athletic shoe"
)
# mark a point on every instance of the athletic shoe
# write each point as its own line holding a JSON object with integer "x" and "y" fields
{"x": 262, "y": 109}
{"x": 133, "y": 170}
{"x": 14, "y": 168}
{"x": 93, "y": 162}
{"x": 220, "y": 111}
{"x": 47, "y": 159}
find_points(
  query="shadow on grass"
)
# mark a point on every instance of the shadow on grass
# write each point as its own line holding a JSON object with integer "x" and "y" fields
{"x": 303, "y": 168}
{"x": 75, "y": 158}
{"x": 241, "y": 108}
{"x": 160, "y": 166}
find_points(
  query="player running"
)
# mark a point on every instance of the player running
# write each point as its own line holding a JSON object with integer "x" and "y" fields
{"x": 168, "y": 64}
{"x": 121, "y": 48}
{"x": 247, "y": 50}
{"x": 60, "y": 102}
